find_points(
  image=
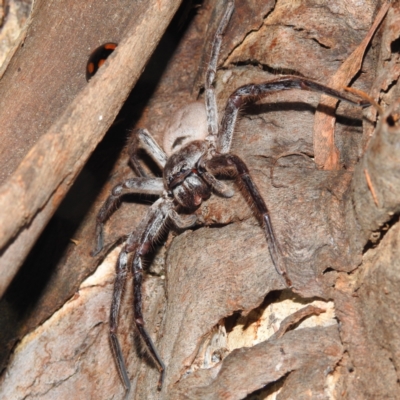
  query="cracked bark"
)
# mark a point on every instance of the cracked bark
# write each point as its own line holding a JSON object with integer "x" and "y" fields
{"x": 215, "y": 287}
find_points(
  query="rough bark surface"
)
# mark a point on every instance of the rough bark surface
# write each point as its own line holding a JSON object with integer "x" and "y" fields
{"x": 221, "y": 317}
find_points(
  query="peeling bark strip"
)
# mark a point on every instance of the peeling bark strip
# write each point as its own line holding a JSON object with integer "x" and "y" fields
{"x": 31, "y": 196}
{"x": 317, "y": 349}
{"x": 325, "y": 152}
{"x": 371, "y": 187}
{"x": 384, "y": 87}
{"x": 296, "y": 317}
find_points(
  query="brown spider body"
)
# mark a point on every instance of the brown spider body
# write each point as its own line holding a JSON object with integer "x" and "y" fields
{"x": 181, "y": 175}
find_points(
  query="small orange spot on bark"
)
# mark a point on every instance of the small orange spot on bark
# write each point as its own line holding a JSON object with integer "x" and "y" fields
{"x": 90, "y": 68}
{"x": 110, "y": 46}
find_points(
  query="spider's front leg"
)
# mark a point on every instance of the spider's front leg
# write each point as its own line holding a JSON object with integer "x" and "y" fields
{"x": 254, "y": 92}
{"x": 210, "y": 99}
{"x": 232, "y": 165}
{"x": 225, "y": 161}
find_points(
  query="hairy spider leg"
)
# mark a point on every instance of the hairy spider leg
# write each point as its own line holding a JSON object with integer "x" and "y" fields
{"x": 210, "y": 99}
{"x": 222, "y": 163}
{"x": 143, "y": 184}
{"x": 154, "y": 186}
{"x": 119, "y": 284}
{"x": 253, "y": 92}
{"x": 234, "y": 165}
{"x": 140, "y": 243}
{"x": 143, "y": 140}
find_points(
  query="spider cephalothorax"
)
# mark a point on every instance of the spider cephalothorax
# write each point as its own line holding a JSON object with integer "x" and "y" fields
{"x": 190, "y": 175}
{"x": 182, "y": 178}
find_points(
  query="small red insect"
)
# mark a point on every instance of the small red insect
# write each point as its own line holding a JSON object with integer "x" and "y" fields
{"x": 98, "y": 57}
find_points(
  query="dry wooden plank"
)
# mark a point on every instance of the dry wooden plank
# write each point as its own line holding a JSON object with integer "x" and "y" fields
{"x": 44, "y": 176}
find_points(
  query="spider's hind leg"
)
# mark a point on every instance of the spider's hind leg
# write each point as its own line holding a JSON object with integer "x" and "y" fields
{"x": 119, "y": 285}
{"x": 139, "y": 244}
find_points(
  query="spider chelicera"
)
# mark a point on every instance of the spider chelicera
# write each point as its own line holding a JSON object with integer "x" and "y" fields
{"x": 189, "y": 177}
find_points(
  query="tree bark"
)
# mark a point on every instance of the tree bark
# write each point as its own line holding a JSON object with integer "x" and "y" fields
{"x": 223, "y": 320}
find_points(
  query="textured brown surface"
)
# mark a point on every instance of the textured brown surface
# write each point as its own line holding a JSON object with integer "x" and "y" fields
{"x": 269, "y": 361}
{"x": 71, "y": 117}
{"x": 50, "y": 64}
{"x": 204, "y": 280}
{"x": 326, "y": 153}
